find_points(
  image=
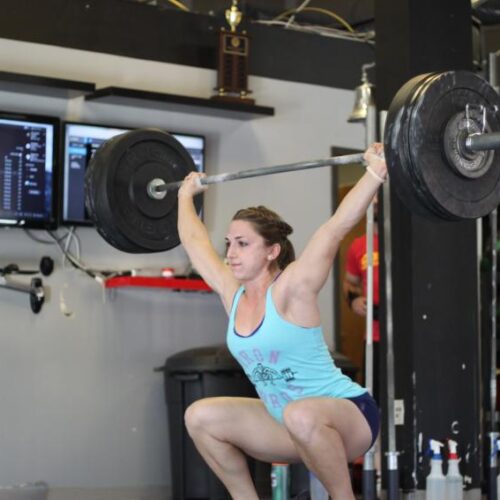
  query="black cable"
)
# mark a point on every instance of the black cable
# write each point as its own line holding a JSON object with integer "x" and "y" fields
{"x": 70, "y": 257}
{"x": 38, "y": 240}
{"x": 44, "y": 242}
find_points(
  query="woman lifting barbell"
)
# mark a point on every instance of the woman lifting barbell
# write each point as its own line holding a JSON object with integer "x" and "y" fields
{"x": 308, "y": 410}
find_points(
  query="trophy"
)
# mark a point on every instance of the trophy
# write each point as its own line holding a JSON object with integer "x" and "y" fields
{"x": 232, "y": 65}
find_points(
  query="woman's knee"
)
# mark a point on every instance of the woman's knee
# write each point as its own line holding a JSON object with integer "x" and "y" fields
{"x": 198, "y": 415}
{"x": 301, "y": 420}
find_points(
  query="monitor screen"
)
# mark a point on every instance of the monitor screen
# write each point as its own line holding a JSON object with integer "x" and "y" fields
{"x": 28, "y": 171}
{"x": 80, "y": 142}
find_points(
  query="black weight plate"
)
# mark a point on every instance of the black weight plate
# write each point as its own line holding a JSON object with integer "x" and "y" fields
{"x": 452, "y": 195}
{"x": 105, "y": 185}
{"x": 92, "y": 195}
{"x": 414, "y": 146}
{"x": 102, "y": 217}
{"x": 117, "y": 199}
{"x": 396, "y": 147}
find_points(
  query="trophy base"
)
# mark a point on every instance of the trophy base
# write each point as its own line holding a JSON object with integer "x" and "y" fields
{"x": 233, "y": 98}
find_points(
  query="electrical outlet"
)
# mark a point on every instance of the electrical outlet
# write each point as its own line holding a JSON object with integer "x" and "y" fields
{"x": 399, "y": 412}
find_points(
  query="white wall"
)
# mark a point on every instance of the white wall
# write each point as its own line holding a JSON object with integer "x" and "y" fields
{"x": 80, "y": 404}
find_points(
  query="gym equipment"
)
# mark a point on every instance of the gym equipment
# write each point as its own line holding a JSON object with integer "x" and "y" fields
{"x": 46, "y": 265}
{"x": 439, "y": 145}
{"x": 392, "y": 462}
{"x": 35, "y": 290}
{"x": 116, "y": 190}
{"x": 369, "y": 471}
{"x": 442, "y": 130}
{"x": 492, "y": 465}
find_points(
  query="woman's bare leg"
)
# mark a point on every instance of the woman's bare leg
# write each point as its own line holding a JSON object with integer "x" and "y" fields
{"x": 225, "y": 429}
{"x": 328, "y": 434}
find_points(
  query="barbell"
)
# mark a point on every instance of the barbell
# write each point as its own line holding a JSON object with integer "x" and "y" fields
{"x": 441, "y": 135}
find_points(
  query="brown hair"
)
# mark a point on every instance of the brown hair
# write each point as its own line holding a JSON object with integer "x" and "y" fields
{"x": 272, "y": 228}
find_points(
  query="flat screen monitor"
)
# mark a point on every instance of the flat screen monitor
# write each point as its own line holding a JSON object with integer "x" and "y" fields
{"x": 81, "y": 141}
{"x": 28, "y": 171}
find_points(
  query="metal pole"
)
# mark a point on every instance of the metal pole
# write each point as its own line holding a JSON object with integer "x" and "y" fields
{"x": 392, "y": 455}
{"x": 493, "y": 434}
{"x": 369, "y": 473}
{"x": 259, "y": 172}
{"x": 483, "y": 142}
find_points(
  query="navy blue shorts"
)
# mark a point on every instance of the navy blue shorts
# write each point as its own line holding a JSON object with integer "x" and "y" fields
{"x": 369, "y": 409}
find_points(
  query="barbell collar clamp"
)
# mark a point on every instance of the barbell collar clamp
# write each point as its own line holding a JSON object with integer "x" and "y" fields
{"x": 154, "y": 191}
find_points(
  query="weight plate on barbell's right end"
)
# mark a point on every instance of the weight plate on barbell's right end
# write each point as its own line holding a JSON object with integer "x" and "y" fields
{"x": 124, "y": 213}
{"x": 396, "y": 147}
{"x": 453, "y": 195}
{"x": 417, "y": 133}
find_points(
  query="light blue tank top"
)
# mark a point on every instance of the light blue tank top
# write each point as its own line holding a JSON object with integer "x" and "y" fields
{"x": 286, "y": 362}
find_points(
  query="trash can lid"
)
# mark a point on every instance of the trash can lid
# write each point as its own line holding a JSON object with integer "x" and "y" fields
{"x": 343, "y": 362}
{"x": 202, "y": 359}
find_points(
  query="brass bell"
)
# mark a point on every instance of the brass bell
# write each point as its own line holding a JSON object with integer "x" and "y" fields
{"x": 363, "y": 97}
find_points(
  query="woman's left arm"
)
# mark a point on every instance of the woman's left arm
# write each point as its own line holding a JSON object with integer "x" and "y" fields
{"x": 308, "y": 273}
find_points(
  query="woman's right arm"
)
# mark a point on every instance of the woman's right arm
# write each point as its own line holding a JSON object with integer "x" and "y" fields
{"x": 195, "y": 240}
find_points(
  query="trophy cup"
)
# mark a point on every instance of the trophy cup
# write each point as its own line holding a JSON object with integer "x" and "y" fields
{"x": 232, "y": 65}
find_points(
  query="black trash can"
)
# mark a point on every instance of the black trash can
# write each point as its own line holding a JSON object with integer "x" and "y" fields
{"x": 191, "y": 375}
{"x": 207, "y": 372}
{"x": 345, "y": 364}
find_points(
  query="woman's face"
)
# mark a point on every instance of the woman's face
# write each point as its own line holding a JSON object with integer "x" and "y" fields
{"x": 246, "y": 251}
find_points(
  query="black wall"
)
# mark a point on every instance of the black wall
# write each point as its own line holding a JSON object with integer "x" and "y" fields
{"x": 436, "y": 337}
{"x": 139, "y": 31}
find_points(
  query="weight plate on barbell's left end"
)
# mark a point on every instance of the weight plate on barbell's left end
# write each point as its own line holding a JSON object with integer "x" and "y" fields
{"x": 102, "y": 216}
{"x": 118, "y": 201}
{"x": 446, "y": 191}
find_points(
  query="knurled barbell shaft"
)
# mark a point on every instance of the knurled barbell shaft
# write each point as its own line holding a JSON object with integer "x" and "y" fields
{"x": 474, "y": 142}
{"x": 483, "y": 142}
{"x": 259, "y": 172}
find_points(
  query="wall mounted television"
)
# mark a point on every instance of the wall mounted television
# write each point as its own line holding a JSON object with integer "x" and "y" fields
{"x": 29, "y": 146}
{"x": 81, "y": 140}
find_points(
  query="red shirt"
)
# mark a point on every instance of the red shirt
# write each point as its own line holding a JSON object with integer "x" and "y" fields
{"x": 357, "y": 264}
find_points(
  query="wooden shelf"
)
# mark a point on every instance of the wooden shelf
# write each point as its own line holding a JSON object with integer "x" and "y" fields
{"x": 183, "y": 284}
{"x": 56, "y": 87}
{"x": 178, "y": 103}
{"x": 41, "y": 85}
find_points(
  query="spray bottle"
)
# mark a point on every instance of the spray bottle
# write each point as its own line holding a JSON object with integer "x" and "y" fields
{"x": 435, "y": 484}
{"x": 454, "y": 481}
